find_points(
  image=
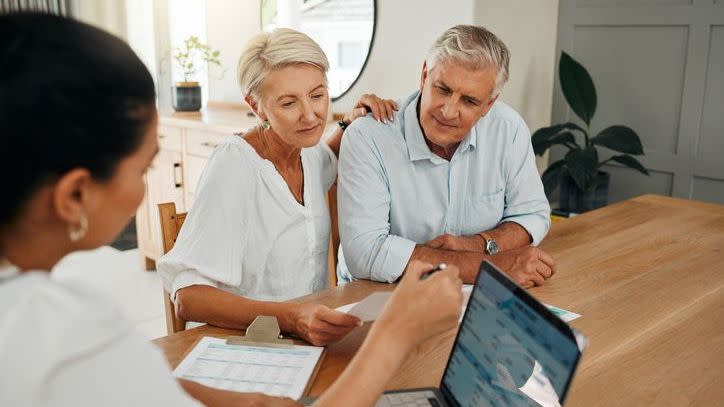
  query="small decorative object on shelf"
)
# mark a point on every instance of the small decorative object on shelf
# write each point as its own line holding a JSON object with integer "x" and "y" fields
{"x": 186, "y": 95}
{"x": 583, "y": 185}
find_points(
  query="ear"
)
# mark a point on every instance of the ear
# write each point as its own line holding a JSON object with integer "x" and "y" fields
{"x": 71, "y": 195}
{"x": 488, "y": 105}
{"x": 254, "y": 105}
{"x": 423, "y": 75}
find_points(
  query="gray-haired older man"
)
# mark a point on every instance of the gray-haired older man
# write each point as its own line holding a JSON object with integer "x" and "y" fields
{"x": 452, "y": 179}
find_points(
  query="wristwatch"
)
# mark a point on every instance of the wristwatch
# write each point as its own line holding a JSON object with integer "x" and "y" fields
{"x": 342, "y": 125}
{"x": 491, "y": 247}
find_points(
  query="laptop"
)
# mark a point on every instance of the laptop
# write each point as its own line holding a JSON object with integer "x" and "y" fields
{"x": 510, "y": 351}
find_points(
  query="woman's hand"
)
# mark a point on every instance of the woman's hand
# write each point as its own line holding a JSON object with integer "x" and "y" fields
{"x": 320, "y": 325}
{"x": 419, "y": 309}
{"x": 382, "y": 109}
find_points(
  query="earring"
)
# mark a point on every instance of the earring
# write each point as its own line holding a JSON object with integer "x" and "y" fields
{"x": 77, "y": 233}
{"x": 265, "y": 125}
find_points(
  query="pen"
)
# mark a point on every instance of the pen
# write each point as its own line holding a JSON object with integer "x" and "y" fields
{"x": 440, "y": 267}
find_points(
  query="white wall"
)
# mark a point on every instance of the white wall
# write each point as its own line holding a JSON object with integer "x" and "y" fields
{"x": 529, "y": 30}
{"x": 229, "y": 25}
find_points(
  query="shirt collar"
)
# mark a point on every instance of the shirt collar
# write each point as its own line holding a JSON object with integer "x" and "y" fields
{"x": 416, "y": 146}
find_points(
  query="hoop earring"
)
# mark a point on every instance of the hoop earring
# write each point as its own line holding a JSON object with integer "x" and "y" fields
{"x": 77, "y": 233}
{"x": 265, "y": 125}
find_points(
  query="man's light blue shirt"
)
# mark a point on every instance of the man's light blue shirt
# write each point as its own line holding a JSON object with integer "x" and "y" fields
{"x": 394, "y": 193}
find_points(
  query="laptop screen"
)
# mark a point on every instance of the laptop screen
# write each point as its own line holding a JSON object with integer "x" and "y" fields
{"x": 510, "y": 350}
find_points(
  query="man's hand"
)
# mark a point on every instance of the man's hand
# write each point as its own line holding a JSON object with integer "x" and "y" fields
{"x": 528, "y": 266}
{"x": 321, "y": 325}
{"x": 474, "y": 243}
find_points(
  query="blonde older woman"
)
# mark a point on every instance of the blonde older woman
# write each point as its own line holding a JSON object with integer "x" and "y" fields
{"x": 258, "y": 233}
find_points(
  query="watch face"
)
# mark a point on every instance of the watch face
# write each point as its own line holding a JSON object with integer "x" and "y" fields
{"x": 492, "y": 247}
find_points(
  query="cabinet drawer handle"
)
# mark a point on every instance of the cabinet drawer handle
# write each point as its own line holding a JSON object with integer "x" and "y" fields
{"x": 176, "y": 176}
{"x": 209, "y": 144}
{"x": 161, "y": 136}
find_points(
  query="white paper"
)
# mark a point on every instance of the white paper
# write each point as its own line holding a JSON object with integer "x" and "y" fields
{"x": 281, "y": 372}
{"x": 371, "y": 307}
{"x": 565, "y": 315}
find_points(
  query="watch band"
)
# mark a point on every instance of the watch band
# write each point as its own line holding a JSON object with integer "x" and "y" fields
{"x": 342, "y": 125}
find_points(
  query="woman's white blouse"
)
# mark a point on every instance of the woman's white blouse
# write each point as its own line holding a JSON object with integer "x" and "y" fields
{"x": 246, "y": 234}
{"x": 63, "y": 345}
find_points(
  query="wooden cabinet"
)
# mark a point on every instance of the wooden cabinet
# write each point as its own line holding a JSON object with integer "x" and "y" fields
{"x": 186, "y": 140}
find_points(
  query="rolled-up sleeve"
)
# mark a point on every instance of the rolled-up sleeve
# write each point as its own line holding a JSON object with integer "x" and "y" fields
{"x": 210, "y": 245}
{"x": 363, "y": 200}
{"x": 525, "y": 200}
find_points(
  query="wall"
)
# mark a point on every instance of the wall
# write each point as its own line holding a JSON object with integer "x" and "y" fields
{"x": 229, "y": 25}
{"x": 529, "y": 29}
{"x": 658, "y": 67}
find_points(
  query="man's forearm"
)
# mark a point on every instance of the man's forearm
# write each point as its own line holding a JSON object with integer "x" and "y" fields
{"x": 467, "y": 262}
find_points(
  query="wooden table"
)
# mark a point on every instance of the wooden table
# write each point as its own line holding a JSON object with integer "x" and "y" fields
{"x": 647, "y": 276}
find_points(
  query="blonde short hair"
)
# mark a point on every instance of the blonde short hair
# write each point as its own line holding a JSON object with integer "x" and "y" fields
{"x": 475, "y": 48}
{"x": 279, "y": 48}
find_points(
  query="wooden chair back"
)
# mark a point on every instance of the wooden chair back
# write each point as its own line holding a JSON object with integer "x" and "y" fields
{"x": 171, "y": 223}
{"x": 334, "y": 235}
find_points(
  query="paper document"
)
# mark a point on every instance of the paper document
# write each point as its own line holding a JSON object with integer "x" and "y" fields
{"x": 241, "y": 368}
{"x": 565, "y": 315}
{"x": 371, "y": 307}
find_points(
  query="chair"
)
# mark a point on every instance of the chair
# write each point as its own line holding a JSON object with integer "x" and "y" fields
{"x": 171, "y": 223}
{"x": 334, "y": 235}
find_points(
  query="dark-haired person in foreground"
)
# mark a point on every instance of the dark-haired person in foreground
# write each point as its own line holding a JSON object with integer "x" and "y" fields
{"x": 78, "y": 131}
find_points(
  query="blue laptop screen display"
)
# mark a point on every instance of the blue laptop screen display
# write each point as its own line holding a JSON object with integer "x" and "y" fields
{"x": 506, "y": 354}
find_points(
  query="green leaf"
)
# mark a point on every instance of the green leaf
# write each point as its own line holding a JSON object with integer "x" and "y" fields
{"x": 541, "y": 137}
{"x": 577, "y": 87}
{"x": 546, "y": 137}
{"x": 583, "y": 167}
{"x": 552, "y": 176}
{"x": 619, "y": 138}
{"x": 631, "y": 162}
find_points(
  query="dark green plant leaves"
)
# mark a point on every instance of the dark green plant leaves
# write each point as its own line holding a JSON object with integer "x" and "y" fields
{"x": 619, "y": 138}
{"x": 583, "y": 167}
{"x": 551, "y": 177}
{"x": 631, "y": 162}
{"x": 577, "y": 87}
{"x": 546, "y": 137}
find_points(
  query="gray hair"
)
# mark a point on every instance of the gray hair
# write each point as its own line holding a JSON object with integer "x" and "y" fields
{"x": 475, "y": 48}
{"x": 279, "y": 48}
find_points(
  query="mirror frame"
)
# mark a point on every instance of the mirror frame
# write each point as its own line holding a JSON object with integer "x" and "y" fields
{"x": 369, "y": 50}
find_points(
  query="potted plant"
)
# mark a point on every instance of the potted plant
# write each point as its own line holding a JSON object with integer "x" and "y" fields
{"x": 187, "y": 94}
{"x": 583, "y": 185}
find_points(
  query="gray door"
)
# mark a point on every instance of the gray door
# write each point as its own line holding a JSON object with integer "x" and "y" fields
{"x": 658, "y": 67}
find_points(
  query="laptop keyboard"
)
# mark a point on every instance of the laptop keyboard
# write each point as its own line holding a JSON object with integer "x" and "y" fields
{"x": 411, "y": 399}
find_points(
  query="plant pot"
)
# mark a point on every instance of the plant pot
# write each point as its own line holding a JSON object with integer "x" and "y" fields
{"x": 573, "y": 199}
{"x": 186, "y": 97}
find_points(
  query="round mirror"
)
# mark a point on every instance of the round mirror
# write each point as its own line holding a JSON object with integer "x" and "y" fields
{"x": 344, "y": 29}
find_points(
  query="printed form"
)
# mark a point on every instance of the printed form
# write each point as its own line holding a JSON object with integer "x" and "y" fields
{"x": 281, "y": 372}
